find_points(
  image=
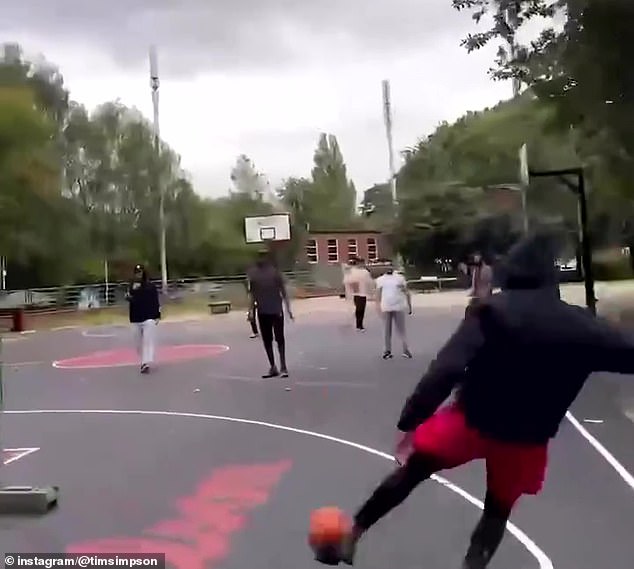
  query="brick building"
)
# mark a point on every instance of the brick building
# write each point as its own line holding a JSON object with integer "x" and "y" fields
{"x": 336, "y": 247}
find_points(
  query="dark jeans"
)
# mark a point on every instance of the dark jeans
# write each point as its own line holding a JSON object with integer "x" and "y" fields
{"x": 272, "y": 327}
{"x": 360, "y": 303}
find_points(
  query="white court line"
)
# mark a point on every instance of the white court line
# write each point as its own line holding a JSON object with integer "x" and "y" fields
{"x": 22, "y": 452}
{"x": 86, "y": 334}
{"x": 61, "y": 328}
{"x": 22, "y": 364}
{"x": 604, "y": 452}
{"x": 335, "y": 384}
{"x": 542, "y": 559}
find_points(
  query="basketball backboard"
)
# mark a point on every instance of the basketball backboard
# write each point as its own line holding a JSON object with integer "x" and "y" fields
{"x": 264, "y": 228}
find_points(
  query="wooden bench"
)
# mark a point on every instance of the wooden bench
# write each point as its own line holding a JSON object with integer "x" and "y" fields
{"x": 219, "y": 306}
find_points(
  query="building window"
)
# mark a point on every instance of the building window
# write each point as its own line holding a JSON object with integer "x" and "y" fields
{"x": 353, "y": 251}
{"x": 311, "y": 251}
{"x": 333, "y": 251}
{"x": 372, "y": 250}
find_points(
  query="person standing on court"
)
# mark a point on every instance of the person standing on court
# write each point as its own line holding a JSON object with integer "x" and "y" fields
{"x": 145, "y": 313}
{"x": 268, "y": 299}
{"x": 359, "y": 285}
{"x": 517, "y": 362}
{"x": 394, "y": 303}
{"x": 481, "y": 278}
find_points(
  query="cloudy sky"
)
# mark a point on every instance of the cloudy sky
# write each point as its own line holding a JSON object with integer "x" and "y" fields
{"x": 265, "y": 77}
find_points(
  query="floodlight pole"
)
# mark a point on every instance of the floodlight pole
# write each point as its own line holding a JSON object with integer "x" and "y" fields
{"x": 583, "y": 234}
{"x": 387, "y": 117}
{"x": 154, "y": 85}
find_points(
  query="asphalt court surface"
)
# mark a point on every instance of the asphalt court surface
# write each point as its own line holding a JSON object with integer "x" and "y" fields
{"x": 175, "y": 473}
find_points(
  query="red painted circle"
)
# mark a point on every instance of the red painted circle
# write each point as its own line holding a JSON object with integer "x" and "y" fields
{"x": 128, "y": 357}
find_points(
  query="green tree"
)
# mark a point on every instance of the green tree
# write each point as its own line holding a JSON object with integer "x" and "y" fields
{"x": 332, "y": 199}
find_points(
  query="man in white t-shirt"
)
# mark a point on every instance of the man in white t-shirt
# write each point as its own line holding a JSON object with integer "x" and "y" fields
{"x": 358, "y": 284}
{"x": 394, "y": 302}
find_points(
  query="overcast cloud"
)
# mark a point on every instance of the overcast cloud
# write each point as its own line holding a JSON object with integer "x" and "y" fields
{"x": 264, "y": 77}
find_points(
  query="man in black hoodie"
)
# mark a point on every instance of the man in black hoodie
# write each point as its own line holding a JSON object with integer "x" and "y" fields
{"x": 516, "y": 362}
{"x": 145, "y": 313}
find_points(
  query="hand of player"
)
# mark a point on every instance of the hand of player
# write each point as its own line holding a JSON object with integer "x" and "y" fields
{"x": 403, "y": 447}
{"x": 290, "y": 315}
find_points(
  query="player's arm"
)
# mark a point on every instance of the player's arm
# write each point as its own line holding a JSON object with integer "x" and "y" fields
{"x": 407, "y": 295}
{"x": 284, "y": 294}
{"x": 250, "y": 297}
{"x": 156, "y": 303}
{"x": 378, "y": 288}
{"x": 611, "y": 350}
{"x": 444, "y": 373}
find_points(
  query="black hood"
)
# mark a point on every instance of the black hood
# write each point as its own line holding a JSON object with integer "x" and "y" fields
{"x": 530, "y": 264}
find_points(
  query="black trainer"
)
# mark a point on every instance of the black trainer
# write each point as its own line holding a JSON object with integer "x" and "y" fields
{"x": 407, "y": 354}
{"x": 387, "y": 355}
{"x": 145, "y": 368}
{"x": 271, "y": 373}
{"x": 284, "y": 372}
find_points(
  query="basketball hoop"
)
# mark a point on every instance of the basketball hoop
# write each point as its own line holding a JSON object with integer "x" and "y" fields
{"x": 267, "y": 233}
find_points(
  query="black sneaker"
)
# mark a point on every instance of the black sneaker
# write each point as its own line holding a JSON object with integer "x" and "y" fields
{"x": 328, "y": 556}
{"x": 387, "y": 355}
{"x": 343, "y": 553}
{"x": 348, "y": 549}
{"x": 284, "y": 373}
{"x": 476, "y": 558}
{"x": 407, "y": 354}
{"x": 272, "y": 373}
{"x": 145, "y": 368}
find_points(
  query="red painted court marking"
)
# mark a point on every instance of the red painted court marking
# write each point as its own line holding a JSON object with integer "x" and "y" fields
{"x": 124, "y": 357}
{"x": 200, "y": 536}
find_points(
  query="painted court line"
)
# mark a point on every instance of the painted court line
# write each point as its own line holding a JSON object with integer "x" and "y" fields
{"x": 23, "y": 364}
{"x": 605, "y": 453}
{"x": 335, "y": 384}
{"x": 542, "y": 559}
{"x": 19, "y": 453}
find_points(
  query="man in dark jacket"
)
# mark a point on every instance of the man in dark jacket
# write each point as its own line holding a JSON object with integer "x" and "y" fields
{"x": 145, "y": 313}
{"x": 516, "y": 364}
{"x": 268, "y": 299}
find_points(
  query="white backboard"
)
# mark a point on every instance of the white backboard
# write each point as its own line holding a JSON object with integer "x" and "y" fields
{"x": 259, "y": 229}
{"x": 524, "y": 172}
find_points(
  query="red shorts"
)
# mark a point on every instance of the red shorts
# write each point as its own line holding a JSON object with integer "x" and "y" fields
{"x": 512, "y": 469}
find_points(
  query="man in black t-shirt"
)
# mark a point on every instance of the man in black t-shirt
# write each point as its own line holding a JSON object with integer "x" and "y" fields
{"x": 268, "y": 298}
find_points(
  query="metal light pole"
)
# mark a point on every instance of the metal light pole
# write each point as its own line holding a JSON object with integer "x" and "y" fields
{"x": 154, "y": 85}
{"x": 512, "y": 19}
{"x": 387, "y": 117}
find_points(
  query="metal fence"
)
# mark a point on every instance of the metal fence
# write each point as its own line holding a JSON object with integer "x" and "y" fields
{"x": 95, "y": 296}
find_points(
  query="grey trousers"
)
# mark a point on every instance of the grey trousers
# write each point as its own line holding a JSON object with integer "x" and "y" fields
{"x": 394, "y": 318}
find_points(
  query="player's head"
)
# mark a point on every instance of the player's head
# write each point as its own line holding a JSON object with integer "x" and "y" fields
{"x": 263, "y": 258}
{"x": 140, "y": 274}
{"x": 477, "y": 258}
{"x": 530, "y": 263}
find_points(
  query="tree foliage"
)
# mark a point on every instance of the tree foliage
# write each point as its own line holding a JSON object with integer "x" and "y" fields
{"x": 580, "y": 68}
